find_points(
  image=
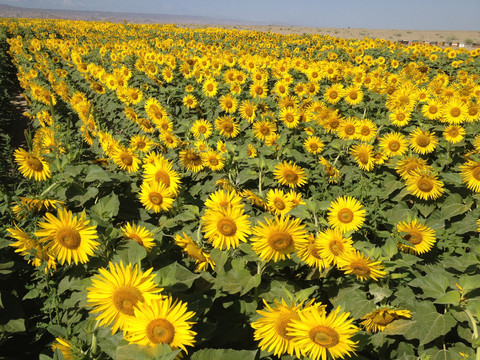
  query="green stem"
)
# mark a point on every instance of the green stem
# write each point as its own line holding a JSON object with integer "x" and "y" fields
{"x": 260, "y": 182}
{"x": 474, "y": 326}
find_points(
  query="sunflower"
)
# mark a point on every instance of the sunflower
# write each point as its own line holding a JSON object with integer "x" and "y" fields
{"x": 252, "y": 151}
{"x": 313, "y": 145}
{"x": 202, "y": 258}
{"x": 393, "y": 144}
{"x": 423, "y": 142}
{"x": 125, "y": 159}
{"x": 424, "y": 184}
{"x": 278, "y": 202}
{"x": 190, "y": 101}
{"x": 228, "y": 103}
{"x": 405, "y": 167}
{"x": 316, "y": 333}
{"x": 154, "y": 110}
{"x": 334, "y": 93}
{"x": 210, "y": 87}
{"x": 276, "y": 239}
{"x": 271, "y": 328}
{"x": 227, "y": 126}
{"x": 470, "y": 173}
{"x": 455, "y": 111}
{"x": 191, "y": 160}
{"x": 419, "y": 235}
{"x": 295, "y": 198}
{"x": 288, "y": 173}
{"x": 258, "y": 89}
{"x": 362, "y": 266}
{"x": 366, "y": 130}
{"x": 221, "y": 200}
{"x": 454, "y": 133}
{"x": 332, "y": 172}
{"x": 156, "y": 196}
{"x": 247, "y": 110}
{"x": 347, "y": 129}
{"x": 202, "y": 128}
{"x": 346, "y": 214}
{"x": 308, "y": 251}
{"x": 363, "y": 155}
{"x": 227, "y": 227}
{"x": 31, "y": 165}
{"x": 142, "y": 143}
{"x": 353, "y": 95}
{"x": 331, "y": 245}
{"x": 254, "y": 199}
{"x": 400, "y": 117}
{"x": 67, "y": 237}
{"x": 290, "y": 117}
{"x": 116, "y": 292}
{"x": 160, "y": 171}
{"x": 431, "y": 110}
{"x": 378, "y": 319}
{"x": 64, "y": 347}
{"x": 213, "y": 159}
{"x": 139, "y": 234}
{"x": 263, "y": 129}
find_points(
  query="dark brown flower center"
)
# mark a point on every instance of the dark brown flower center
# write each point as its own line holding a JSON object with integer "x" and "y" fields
{"x": 160, "y": 331}
{"x": 34, "y": 164}
{"x": 68, "y": 237}
{"x": 227, "y": 227}
{"x": 280, "y": 240}
{"x": 155, "y": 198}
{"x": 422, "y": 140}
{"x": 345, "y": 216}
{"x": 125, "y": 298}
{"x": 425, "y": 185}
{"x": 324, "y": 336}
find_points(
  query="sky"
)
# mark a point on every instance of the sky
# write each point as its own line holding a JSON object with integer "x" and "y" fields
{"x": 370, "y": 14}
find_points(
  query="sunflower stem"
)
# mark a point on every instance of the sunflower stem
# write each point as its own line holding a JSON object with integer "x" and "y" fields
{"x": 260, "y": 182}
{"x": 474, "y": 327}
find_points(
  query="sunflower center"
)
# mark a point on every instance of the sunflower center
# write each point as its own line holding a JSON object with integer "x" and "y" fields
{"x": 423, "y": 140}
{"x": 453, "y": 133}
{"x": 155, "y": 198}
{"x": 265, "y": 130}
{"x": 290, "y": 176}
{"x": 69, "y": 238}
{"x": 289, "y": 118}
{"x": 259, "y": 90}
{"x": 213, "y": 161}
{"x": 210, "y": 87}
{"x": 363, "y": 157}
{"x": 455, "y": 112}
{"x": 350, "y": 130}
{"x": 360, "y": 268}
{"x": 313, "y": 147}
{"x": 194, "y": 252}
{"x": 394, "y": 145}
{"x": 34, "y": 164}
{"x": 226, "y": 227}
{"x": 141, "y": 144}
{"x": 333, "y": 95}
{"x": 160, "y": 331}
{"x": 313, "y": 251}
{"x": 324, "y": 336}
{"x": 336, "y": 247}
{"x": 125, "y": 298}
{"x": 425, "y": 185}
{"x": 353, "y": 95}
{"x": 126, "y": 158}
{"x": 433, "y": 109}
{"x": 404, "y": 100}
{"x": 202, "y": 129}
{"x": 161, "y": 176}
{"x": 383, "y": 318}
{"x": 282, "y": 322}
{"x": 345, "y": 216}
{"x": 413, "y": 236}
{"x": 400, "y": 116}
{"x": 227, "y": 127}
{"x": 334, "y": 123}
{"x": 365, "y": 131}
{"x": 476, "y": 173}
{"x": 279, "y": 204}
{"x": 137, "y": 238}
{"x": 280, "y": 240}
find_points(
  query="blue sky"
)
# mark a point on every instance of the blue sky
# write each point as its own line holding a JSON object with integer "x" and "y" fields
{"x": 373, "y": 14}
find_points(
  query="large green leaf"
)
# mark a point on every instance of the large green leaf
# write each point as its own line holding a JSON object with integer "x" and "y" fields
{"x": 177, "y": 276}
{"x": 130, "y": 252}
{"x": 224, "y": 354}
{"x": 138, "y": 352}
{"x": 107, "y": 207}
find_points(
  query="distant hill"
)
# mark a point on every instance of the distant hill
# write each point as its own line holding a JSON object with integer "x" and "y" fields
{"x": 7, "y": 11}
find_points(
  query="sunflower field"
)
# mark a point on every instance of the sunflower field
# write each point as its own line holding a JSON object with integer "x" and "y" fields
{"x": 223, "y": 194}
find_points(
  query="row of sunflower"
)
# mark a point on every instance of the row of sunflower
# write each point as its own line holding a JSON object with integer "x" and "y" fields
{"x": 278, "y": 189}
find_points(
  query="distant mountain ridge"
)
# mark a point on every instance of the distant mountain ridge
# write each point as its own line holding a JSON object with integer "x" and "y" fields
{"x": 8, "y": 11}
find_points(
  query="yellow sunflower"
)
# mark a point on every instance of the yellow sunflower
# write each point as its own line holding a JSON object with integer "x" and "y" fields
{"x": 213, "y": 159}
{"x": 263, "y": 129}
{"x": 228, "y": 103}
{"x": 67, "y": 237}
{"x": 362, "y": 266}
{"x": 366, "y": 130}
{"x": 470, "y": 173}
{"x": 431, "y": 110}
{"x": 334, "y": 93}
{"x": 195, "y": 252}
{"x": 363, "y": 155}
{"x": 378, "y": 319}
{"x": 400, "y": 117}
{"x": 405, "y": 167}
{"x": 290, "y": 117}
{"x": 221, "y": 199}
{"x": 276, "y": 239}
{"x": 454, "y": 133}
{"x": 225, "y": 228}
{"x": 247, "y": 110}
{"x": 210, "y": 87}
{"x": 139, "y": 234}
{"x": 161, "y": 321}
{"x": 423, "y": 142}
{"x": 31, "y": 165}
{"x": 227, "y": 126}
{"x": 308, "y": 251}
{"x": 455, "y": 111}
{"x": 313, "y": 145}
{"x": 202, "y": 128}
{"x": 317, "y": 334}
{"x": 332, "y": 172}
{"x": 125, "y": 159}
{"x": 64, "y": 347}
{"x": 421, "y": 237}
{"x": 190, "y": 101}
{"x": 191, "y": 160}
{"x": 288, "y": 173}
{"x": 156, "y": 197}
{"x": 332, "y": 245}
{"x": 142, "y": 143}
{"x": 271, "y": 328}
{"x": 347, "y": 129}
{"x": 346, "y": 214}
{"x": 393, "y": 144}
{"x": 424, "y": 184}
{"x": 116, "y": 292}
{"x": 278, "y": 202}
{"x": 160, "y": 170}
{"x": 353, "y": 95}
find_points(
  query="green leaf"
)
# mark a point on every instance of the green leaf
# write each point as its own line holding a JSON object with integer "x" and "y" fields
{"x": 451, "y": 297}
{"x": 432, "y": 285}
{"x": 107, "y": 207}
{"x": 453, "y": 206}
{"x": 137, "y": 352}
{"x": 469, "y": 283}
{"x": 96, "y": 173}
{"x": 130, "y": 252}
{"x": 13, "y": 326}
{"x": 221, "y": 354}
{"x": 176, "y": 275}
{"x": 353, "y": 300}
